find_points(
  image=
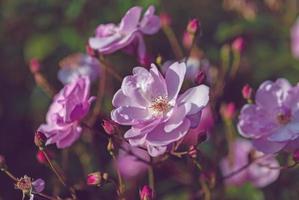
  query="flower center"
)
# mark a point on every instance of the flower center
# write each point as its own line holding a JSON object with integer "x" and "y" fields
{"x": 159, "y": 106}
{"x": 284, "y": 117}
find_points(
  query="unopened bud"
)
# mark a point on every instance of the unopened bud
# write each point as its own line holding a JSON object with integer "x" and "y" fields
{"x": 247, "y": 92}
{"x": 96, "y": 178}
{"x": 193, "y": 26}
{"x": 165, "y": 19}
{"x": 109, "y": 127}
{"x": 3, "y": 165}
{"x": 146, "y": 193}
{"x": 34, "y": 65}
{"x": 200, "y": 77}
{"x": 187, "y": 40}
{"x": 238, "y": 44}
{"x": 296, "y": 156}
{"x": 228, "y": 110}
{"x": 41, "y": 158}
{"x": 40, "y": 140}
{"x": 192, "y": 152}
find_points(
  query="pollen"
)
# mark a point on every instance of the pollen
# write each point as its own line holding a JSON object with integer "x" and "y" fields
{"x": 160, "y": 106}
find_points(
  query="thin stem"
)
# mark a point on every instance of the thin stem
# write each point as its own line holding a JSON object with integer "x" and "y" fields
{"x": 193, "y": 44}
{"x": 230, "y": 133}
{"x": 60, "y": 178}
{"x": 151, "y": 178}
{"x": 121, "y": 185}
{"x": 278, "y": 168}
{"x": 173, "y": 42}
{"x": 100, "y": 95}
{"x": 205, "y": 189}
{"x": 235, "y": 64}
{"x": 44, "y": 84}
{"x": 10, "y": 175}
{"x": 110, "y": 69}
{"x": 242, "y": 168}
{"x": 53, "y": 168}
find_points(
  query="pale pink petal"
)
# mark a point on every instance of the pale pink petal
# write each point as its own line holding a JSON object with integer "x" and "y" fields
{"x": 174, "y": 79}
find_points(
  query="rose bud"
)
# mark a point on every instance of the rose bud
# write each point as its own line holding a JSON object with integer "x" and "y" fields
{"x": 247, "y": 92}
{"x": 40, "y": 140}
{"x": 109, "y": 126}
{"x": 146, "y": 193}
{"x": 228, "y": 110}
{"x": 34, "y": 65}
{"x": 238, "y": 44}
{"x": 165, "y": 19}
{"x": 193, "y": 26}
{"x": 96, "y": 178}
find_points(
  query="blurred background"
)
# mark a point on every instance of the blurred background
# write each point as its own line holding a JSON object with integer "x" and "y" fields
{"x": 49, "y": 30}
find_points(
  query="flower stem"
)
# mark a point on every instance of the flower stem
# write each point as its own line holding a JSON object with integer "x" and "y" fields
{"x": 205, "y": 189}
{"x": 151, "y": 178}
{"x": 10, "y": 175}
{"x": 44, "y": 84}
{"x": 173, "y": 42}
{"x": 110, "y": 69}
{"x": 121, "y": 185}
{"x": 60, "y": 178}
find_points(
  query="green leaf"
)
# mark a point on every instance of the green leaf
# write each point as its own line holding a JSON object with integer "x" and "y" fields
{"x": 40, "y": 46}
{"x": 71, "y": 38}
{"x": 74, "y": 9}
{"x": 246, "y": 192}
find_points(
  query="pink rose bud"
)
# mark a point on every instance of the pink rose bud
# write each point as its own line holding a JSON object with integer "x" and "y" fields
{"x": 296, "y": 156}
{"x": 192, "y": 152}
{"x": 228, "y": 110}
{"x": 40, "y": 139}
{"x": 238, "y": 44}
{"x": 96, "y": 178}
{"x": 146, "y": 193}
{"x": 40, "y": 156}
{"x": 193, "y": 26}
{"x": 200, "y": 77}
{"x": 165, "y": 19}
{"x": 2, "y": 162}
{"x": 109, "y": 127}
{"x": 187, "y": 40}
{"x": 34, "y": 65}
{"x": 247, "y": 92}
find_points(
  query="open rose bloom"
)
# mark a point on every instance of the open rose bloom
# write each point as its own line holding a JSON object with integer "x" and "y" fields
{"x": 69, "y": 106}
{"x": 273, "y": 121}
{"x": 262, "y": 172}
{"x": 152, "y": 106}
{"x": 110, "y": 38}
